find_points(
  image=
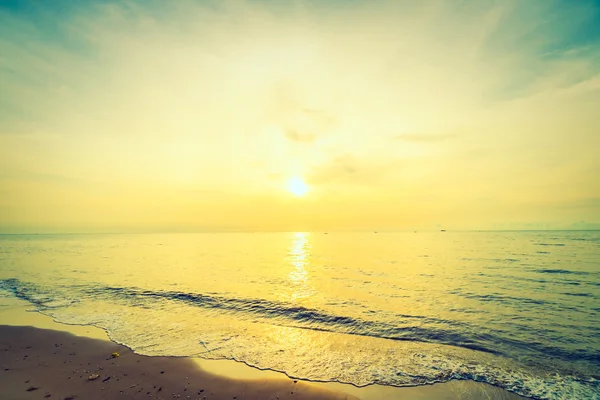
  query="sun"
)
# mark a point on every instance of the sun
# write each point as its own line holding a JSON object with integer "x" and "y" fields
{"x": 297, "y": 187}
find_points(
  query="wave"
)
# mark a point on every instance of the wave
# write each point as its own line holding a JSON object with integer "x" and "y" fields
{"x": 560, "y": 271}
{"x": 405, "y": 328}
{"x": 301, "y": 317}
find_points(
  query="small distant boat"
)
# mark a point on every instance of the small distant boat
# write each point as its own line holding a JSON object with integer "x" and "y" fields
{"x": 443, "y": 230}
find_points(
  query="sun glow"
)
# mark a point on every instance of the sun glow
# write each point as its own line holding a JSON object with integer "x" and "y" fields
{"x": 297, "y": 187}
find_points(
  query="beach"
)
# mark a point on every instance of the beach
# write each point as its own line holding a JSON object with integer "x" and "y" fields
{"x": 39, "y": 363}
{"x": 376, "y": 316}
{"x": 258, "y": 199}
{"x": 44, "y": 359}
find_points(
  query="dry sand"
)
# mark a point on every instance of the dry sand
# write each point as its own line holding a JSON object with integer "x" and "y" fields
{"x": 40, "y": 363}
{"x": 57, "y": 363}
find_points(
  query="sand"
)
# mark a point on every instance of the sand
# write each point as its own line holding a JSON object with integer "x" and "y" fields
{"x": 73, "y": 362}
{"x": 41, "y": 363}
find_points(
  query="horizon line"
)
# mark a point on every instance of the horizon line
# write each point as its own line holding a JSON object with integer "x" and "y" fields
{"x": 439, "y": 230}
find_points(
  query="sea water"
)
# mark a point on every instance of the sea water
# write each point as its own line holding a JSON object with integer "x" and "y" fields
{"x": 519, "y": 310}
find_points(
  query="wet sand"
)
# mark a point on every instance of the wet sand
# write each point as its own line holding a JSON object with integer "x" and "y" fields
{"x": 74, "y": 362}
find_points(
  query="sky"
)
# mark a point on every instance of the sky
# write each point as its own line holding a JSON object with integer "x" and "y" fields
{"x": 196, "y": 115}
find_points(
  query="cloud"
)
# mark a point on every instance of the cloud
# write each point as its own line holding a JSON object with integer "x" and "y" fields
{"x": 300, "y": 137}
{"x": 424, "y": 138}
{"x": 28, "y": 176}
{"x": 591, "y": 203}
{"x": 290, "y": 109}
{"x": 350, "y": 170}
{"x": 307, "y": 125}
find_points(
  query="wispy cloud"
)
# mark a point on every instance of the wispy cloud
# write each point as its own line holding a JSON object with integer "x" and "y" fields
{"x": 424, "y": 138}
{"x": 351, "y": 171}
{"x": 298, "y": 136}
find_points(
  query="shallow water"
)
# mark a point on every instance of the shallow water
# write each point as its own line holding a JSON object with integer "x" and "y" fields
{"x": 520, "y": 310}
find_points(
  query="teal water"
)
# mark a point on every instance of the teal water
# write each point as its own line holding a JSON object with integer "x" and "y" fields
{"x": 520, "y": 310}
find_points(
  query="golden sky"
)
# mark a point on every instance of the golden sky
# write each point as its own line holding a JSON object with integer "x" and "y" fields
{"x": 195, "y": 115}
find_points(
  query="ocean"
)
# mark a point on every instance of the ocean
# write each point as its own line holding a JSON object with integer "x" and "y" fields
{"x": 519, "y": 310}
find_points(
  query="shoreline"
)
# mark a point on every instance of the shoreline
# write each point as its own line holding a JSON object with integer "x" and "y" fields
{"x": 229, "y": 375}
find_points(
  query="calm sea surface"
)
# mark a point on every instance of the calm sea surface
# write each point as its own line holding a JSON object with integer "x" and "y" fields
{"x": 520, "y": 310}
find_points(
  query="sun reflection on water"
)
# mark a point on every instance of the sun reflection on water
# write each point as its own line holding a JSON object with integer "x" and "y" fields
{"x": 299, "y": 260}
